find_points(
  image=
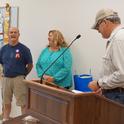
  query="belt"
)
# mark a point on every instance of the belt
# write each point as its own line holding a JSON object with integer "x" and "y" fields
{"x": 118, "y": 89}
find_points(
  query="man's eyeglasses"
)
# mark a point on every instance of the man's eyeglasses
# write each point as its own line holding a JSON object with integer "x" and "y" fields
{"x": 98, "y": 24}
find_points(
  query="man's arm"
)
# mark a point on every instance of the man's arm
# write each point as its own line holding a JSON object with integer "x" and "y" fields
{"x": 29, "y": 68}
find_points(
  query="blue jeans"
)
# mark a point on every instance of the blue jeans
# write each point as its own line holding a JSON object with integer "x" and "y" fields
{"x": 115, "y": 96}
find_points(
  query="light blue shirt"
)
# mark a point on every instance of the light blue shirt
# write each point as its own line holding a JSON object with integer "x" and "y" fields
{"x": 61, "y": 70}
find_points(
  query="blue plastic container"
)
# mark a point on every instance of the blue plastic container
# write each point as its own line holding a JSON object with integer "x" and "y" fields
{"x": 81, "y": 82}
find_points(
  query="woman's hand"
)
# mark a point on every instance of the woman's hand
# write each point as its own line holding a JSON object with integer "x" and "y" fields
{"x": 48, "y": 78}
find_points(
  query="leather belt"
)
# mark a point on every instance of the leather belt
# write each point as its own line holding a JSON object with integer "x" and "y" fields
{"x": 118, "y": 89}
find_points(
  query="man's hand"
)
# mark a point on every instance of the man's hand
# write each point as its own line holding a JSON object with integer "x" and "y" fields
{"x": 99, "y": 92}
{"x": 94, "y": 86}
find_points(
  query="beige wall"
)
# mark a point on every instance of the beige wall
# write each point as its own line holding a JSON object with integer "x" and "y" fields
{"x": 37, "y": 17}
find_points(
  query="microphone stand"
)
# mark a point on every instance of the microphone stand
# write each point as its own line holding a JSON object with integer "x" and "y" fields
{"x": 78, "y": 36}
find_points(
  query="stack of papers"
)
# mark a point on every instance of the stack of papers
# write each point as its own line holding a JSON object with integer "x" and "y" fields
{"x": 30, "y": 120}
{"x": 85, "y": 76}
{"x": 76, "y": 91}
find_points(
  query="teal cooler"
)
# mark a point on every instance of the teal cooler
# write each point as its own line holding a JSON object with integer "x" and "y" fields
{"x": 81, "y": 82}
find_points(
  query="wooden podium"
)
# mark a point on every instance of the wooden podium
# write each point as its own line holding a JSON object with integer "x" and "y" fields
{"x": 57, "y": 106}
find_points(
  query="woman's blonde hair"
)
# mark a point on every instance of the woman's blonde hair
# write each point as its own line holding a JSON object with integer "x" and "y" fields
{"x": 58, "y": 38}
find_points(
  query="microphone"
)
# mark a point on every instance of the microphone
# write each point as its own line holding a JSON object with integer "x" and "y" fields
{"x": 77, "y": 37}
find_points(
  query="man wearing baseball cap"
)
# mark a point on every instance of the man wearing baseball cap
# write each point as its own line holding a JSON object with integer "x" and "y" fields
{"x": 111, "y": 81}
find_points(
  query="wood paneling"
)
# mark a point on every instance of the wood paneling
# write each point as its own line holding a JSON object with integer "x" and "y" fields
{"x": 57, "y": 106}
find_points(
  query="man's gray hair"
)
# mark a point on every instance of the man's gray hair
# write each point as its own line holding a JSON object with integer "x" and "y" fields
{"x": 114, "y": 19}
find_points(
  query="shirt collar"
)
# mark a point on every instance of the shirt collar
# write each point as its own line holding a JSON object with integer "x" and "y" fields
{"x": 115, "y": 31}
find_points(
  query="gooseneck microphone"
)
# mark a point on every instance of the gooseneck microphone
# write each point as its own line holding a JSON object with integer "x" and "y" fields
{"x": 77, "y": 37}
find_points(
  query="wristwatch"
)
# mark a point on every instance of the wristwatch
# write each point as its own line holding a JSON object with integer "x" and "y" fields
{"x": 98, "y": 84}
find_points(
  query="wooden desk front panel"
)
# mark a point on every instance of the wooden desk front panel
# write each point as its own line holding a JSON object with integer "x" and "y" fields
{"x": 54, "y": 109}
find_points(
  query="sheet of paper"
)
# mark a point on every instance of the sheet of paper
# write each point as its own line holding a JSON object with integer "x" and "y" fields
{"x": 76, "y": 91}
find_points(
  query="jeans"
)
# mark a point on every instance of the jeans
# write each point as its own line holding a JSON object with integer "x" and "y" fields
{"x": 115, "y": 96}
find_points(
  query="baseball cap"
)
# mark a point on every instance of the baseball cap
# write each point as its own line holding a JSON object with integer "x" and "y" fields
{"x": 102, "y": 14}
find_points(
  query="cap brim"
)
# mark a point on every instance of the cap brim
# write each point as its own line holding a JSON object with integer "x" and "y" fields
{"x": 94, "y": 26}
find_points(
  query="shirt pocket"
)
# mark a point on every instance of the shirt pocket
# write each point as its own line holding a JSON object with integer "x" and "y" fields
{"x": 107, "y": 60}
{"x": 108, "y": 65}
